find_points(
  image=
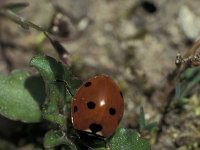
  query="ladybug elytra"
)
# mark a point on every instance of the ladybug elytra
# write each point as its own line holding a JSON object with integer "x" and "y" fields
{"x": 97, "y": 107}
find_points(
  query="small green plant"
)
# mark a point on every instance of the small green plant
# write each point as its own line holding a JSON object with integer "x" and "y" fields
{"x": 188, "y": 80}
{"x": 34, "y": 98}
{"x": 146, "y": 127}
{"x": 28, "y": 98}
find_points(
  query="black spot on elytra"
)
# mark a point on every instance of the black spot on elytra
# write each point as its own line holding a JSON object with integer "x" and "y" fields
{"x": 121, "y": 94}
{"x": 87, "y": 84}
{"x": 91, "y": 105}
{"x": 95, "y": 127}
{"x": 75, "y": 109}
{"x": 112, "y": 111}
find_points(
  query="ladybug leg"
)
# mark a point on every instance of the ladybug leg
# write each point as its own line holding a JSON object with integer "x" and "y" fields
{"x": 67, "y": 86}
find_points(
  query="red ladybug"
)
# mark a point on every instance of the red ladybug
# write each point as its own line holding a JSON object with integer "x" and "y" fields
{"x": 97, "y": 107}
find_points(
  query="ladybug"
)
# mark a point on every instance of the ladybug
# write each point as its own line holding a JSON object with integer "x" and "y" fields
{"x": 97, "y": 107}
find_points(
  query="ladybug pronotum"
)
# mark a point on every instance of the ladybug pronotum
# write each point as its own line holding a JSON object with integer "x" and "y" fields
{"x": 97, "y": 107}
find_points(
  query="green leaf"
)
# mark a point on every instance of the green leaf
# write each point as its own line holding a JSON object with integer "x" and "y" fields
{"x": 56, "y": 138}
{"x": 189, "y": 73}
{"x": 127, "y": 140}
{"x": 20, "y": 95}
{"x": 191, "y": 85}
{"x": 150, "y": 127}
{"x": 142, "y": 123}
{"x": 188, "y": 80}
{"x": 52, "y": 70}
{"x": 49, "y": 68}
{"x": 57, "y": 95}
{"x": 124, "y": 139}
{"x": 178, "y": 90}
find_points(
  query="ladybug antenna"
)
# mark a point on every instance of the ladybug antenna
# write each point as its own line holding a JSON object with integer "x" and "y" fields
{"x": 67, "y": 86}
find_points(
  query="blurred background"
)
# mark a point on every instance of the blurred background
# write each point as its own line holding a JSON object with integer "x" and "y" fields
{"x": 133, "y": 41}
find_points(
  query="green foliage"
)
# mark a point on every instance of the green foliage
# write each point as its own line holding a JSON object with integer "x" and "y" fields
{"x": 127, "y": 140}
{"x": 20, "y": 95}
{"x": 30, "y": 99}
{"x": 188, "y": 80}
{"x": 56, "y": 138}
{"x": 57, "y": 96}
{"x": 150, "y": 127}
{"x": 51, "y": 70}
{"x": 123, "y": 139}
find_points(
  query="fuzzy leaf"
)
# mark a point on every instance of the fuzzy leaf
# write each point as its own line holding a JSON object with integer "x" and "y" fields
{"x": 57, "y": 95}
{"x": 127, "y": 140}
{"x": 56, "y": 138}
{"x": 20, "y": 95}
{"x": 52, "y": 70}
